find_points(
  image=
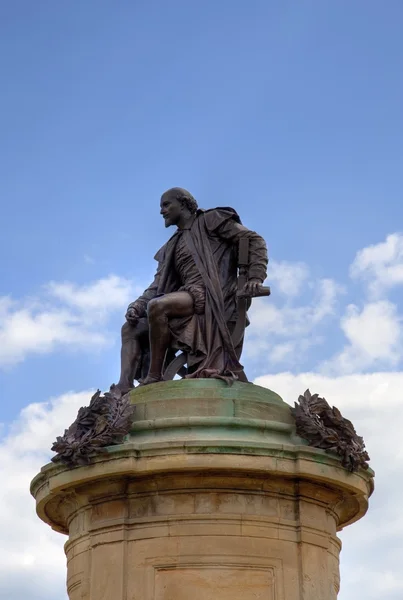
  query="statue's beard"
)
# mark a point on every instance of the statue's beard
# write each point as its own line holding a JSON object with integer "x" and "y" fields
{"x": 169, "y": 221}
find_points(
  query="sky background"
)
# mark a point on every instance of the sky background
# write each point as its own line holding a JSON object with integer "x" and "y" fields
{"x": 291, "y": 112}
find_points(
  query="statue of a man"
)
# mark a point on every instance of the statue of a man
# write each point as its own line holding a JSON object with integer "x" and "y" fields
{"x": 192, "y": 303}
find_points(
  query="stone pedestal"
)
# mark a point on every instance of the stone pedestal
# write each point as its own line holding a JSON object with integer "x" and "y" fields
{"x": 212, "y": 497}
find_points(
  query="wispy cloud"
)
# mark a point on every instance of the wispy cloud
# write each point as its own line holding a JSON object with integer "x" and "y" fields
{"x": 284, "y": 329}
{"x": 32, "y": 562}
{"x": 380, "y": 266}
{"x": 374, "y": 338}
{"x": 288, "y": 278}
{"x": 100, "y": 296}
{"x": 65, "y": 315}
{"x": 372, "y": 548}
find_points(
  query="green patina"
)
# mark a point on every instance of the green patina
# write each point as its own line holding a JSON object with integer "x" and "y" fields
{"x": 208, "y": 416}
{"x": 203, "y": 388}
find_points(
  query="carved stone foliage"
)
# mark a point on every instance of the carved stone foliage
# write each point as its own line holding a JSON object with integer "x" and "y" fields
{"x": 325, "y": 427}
{"x": 105, "y": 422}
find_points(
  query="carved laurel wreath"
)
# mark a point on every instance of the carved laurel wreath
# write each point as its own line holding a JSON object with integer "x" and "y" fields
{"x": 105, "y": 422}
{"x": 325, "y": 427}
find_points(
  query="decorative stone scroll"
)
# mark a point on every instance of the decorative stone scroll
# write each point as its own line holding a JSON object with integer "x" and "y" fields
{"x": 325, "y": 427}
{"x": 105, "y": 422}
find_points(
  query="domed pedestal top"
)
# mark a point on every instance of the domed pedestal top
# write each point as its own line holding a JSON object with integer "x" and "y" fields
{"x": 208, "y": 426}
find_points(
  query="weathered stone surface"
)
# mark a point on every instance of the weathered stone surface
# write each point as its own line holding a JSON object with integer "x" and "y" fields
{"x": 211, "y": 497}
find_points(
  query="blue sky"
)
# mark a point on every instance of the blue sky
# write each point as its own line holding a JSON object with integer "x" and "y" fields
{"x": 291, "y": 112}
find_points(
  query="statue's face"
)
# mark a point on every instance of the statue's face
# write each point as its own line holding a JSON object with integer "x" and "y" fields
{"x": 171, "y": 210}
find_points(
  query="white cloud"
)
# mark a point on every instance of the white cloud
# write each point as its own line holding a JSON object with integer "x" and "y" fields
{"x": 291, "y": 320}
{"x": 100, "y": 296}
{"x": 372, "y": 552}
{"x": 66, "y": 315}
{"x": 281, "y": 352}
{"x": 32, "y": 562}
{"x": 380, "y": 265}
{"x": 282, "y": 333}
{"x": 288, "y": 277}
{"x": 374, "y": 338}
{"x": 373, "y": 332}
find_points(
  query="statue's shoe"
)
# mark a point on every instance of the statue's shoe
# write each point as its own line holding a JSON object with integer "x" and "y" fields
{"x": 117, "y": 392}
{"x": 149, "y": 380}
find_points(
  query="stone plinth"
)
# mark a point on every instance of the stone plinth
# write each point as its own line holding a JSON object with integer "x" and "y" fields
{"x": 212, "y": 497}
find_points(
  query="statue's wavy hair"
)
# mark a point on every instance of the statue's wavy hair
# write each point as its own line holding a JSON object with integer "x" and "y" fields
{"x": 184, "y": 197}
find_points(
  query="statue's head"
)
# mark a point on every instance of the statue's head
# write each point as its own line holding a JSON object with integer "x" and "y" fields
{"x": 176, "y": 203}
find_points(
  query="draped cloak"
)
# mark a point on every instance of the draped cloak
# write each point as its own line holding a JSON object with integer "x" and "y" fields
{"x": 212, "y": 242}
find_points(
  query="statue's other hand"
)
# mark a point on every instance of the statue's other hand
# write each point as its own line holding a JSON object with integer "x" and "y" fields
{"x": 132, "y": 316}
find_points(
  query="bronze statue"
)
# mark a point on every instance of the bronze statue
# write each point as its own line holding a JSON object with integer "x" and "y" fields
{"x": 194, "y": 301}
{"x": 207, "y": 274}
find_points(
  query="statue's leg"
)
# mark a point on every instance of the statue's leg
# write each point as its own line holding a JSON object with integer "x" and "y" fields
{"x": 160, "y": 310}
{"x": 130, "y": 356}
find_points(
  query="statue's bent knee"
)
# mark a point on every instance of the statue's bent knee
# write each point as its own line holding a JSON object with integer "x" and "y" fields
{"x": 155, "y": 308}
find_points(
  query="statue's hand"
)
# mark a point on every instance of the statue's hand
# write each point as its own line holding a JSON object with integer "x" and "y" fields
{"x": 132, "y": 315}
{"x": 250, "y": 289}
